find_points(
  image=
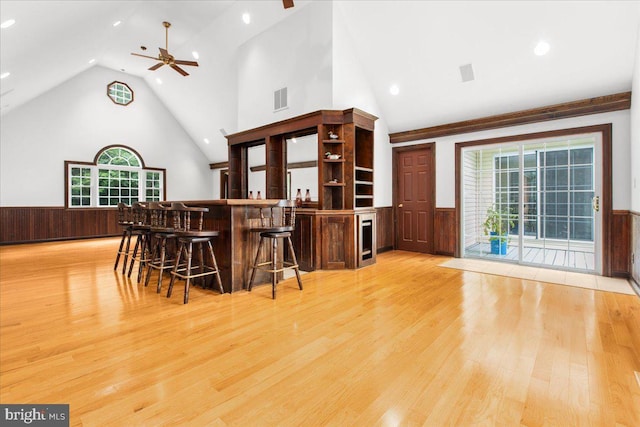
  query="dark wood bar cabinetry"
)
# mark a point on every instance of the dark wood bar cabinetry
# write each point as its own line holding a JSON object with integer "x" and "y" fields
{"x": 338, "y": 231}
{"x": 236, "y": 246}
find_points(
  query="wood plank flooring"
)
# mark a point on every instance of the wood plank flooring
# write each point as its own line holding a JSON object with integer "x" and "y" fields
{"x": 402, "y": 342}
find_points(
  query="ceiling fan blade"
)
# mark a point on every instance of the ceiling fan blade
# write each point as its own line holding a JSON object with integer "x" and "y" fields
{"x": 155, "y": 67}
{"x": 180, "y": 70}
{"x": 164, "y": 53}
{"x": 146, "y": 56}
{"x": 287, "y": 3}
{"x": 181, "y": 62}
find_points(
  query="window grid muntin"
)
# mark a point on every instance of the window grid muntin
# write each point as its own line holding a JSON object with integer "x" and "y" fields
{"x": 80, "y": 186}
{"x": 103, "y": 188}
{"x": 119, "y": 156}
{"x": 555, "y": 219}
{"x": 120, "y": 93}
{"x": 153, "y": 186}
{"x": 117, "y": 185}
{"x": 561, "y": 219}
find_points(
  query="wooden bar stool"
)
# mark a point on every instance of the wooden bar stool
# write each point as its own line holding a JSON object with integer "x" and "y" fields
{"x": 125, "y": 220}
{"x": 161, "y": 232}
{"x": 141, "y": 229}
{"x": 189, "y": 231}
{"x": 277, "y": 222}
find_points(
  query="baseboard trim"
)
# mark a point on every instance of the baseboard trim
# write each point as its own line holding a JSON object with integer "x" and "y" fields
{"x": 384, "y": 249}
{"x": 635, "y": 286}
{"x": 59, "y": 239}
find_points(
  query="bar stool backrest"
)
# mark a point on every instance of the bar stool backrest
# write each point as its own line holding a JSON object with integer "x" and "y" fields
{"x": 125, "y": 214}
{"x": 159, "y": 215}
{"x": 140, "y": 213}
{"x": 280, "y": 215}
{"x": 187, "y": 218}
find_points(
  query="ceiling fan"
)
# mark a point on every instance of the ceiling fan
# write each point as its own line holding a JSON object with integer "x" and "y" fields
{"x": 166, "y": 58}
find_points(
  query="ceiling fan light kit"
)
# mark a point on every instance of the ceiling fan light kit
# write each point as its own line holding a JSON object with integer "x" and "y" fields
{"x": 165, "y": 58}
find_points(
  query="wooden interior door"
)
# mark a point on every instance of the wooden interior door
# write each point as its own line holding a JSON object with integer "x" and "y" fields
{"x": 414, "y": 173}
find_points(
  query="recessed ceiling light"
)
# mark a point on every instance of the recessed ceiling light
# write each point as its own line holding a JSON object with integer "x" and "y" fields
{"x": 394, "y": 90}
{"x": 195, "y": 54}
{"x": 246, "y": 18}
{"x": 206, "y": 140}
{"x": 115, "y": 24}
{"x": 7, "y": 23}
{"x": 5, "y": 75}
{"x": 158, "y": 80}
{"x": 92, "y": 60}
{"x": 542, "y": 48}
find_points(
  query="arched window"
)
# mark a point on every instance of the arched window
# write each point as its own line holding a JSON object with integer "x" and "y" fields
{"x": 119, "y": 156}
{"x": 117, "y": 175}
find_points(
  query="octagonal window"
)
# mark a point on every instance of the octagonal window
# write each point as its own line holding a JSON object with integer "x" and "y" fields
{"x": 120, "y": 93}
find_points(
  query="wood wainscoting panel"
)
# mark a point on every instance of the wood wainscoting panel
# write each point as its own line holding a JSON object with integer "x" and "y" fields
{"x": 34, "y": 224}
{"x": 384, "y": 229}
{"x": 620, "y": 245}
{"x": 445, "y": 235}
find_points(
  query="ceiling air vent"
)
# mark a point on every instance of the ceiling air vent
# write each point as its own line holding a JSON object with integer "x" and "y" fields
{"x": 466, "y": 72}
{"x": 280, "y": 99}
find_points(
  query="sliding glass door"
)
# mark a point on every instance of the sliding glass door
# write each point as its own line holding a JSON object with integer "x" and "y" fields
{"x": 534, "y": 202}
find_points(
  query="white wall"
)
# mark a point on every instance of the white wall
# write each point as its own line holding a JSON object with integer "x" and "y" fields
{"x": 76, "y": 120}
{"x": 311, "y": 54}
{"x": 351, "y": 88}
{"x": 445, "y": 153}
{"x": 296, "y": 54}
{"x": 635, "y": 131}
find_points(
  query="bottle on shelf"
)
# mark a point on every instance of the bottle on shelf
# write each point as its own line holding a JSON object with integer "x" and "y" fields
{"x": 307, "y": 196}
{"x": 251, "y": 194}
{"x": 299, "y": 198}
{"x": 259, "y": 196}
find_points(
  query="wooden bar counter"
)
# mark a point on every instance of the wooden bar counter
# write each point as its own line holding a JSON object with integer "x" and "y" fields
{"x": 323, "y": 239}
{"x": 235, "y": 248}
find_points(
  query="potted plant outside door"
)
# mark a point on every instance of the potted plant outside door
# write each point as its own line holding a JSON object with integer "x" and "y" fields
{"x": 496, "y": 226}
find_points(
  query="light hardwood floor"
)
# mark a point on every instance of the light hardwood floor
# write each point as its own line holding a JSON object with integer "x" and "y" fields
{"x": 402, "y": 342}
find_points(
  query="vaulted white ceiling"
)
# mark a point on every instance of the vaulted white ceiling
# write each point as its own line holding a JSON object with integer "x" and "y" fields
{"x": 416, "y": 45}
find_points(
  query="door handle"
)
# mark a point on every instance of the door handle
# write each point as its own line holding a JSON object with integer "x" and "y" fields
{"x": 400, "y": 205}
{"x": 595, "y": 203}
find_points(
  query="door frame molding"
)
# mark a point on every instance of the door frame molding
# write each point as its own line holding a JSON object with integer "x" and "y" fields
{"x": 606, "y": 198}
{"x": 394, "y": 173}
